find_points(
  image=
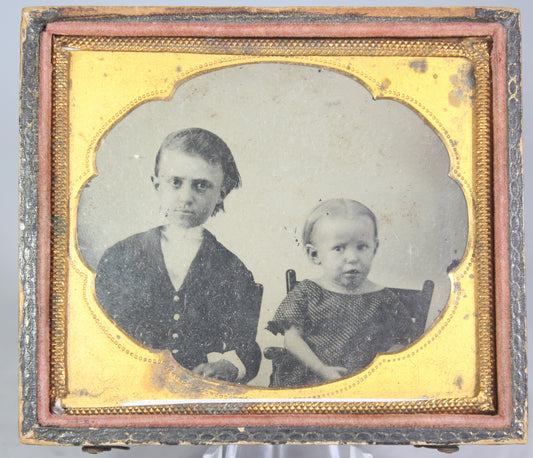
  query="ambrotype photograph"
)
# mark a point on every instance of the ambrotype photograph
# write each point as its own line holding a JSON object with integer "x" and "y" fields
{"x": 251, "y": 224}
{"x": 204, "y": 203}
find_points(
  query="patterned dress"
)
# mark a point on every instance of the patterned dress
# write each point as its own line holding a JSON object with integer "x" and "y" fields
{"x": 341, "y": 329}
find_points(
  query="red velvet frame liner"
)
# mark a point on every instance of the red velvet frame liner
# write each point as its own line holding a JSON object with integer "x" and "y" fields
{"x": 286, "y": 30}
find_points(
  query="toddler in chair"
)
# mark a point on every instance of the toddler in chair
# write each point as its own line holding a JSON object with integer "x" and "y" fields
{"x": 336, "y": 324}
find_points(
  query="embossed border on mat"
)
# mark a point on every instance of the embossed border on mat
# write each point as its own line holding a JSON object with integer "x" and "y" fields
{"x": 475, "y": 50}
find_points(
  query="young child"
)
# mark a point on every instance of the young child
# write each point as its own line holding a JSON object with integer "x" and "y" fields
{"x": 337, "y": 324}
{"x": 175, "y": 287}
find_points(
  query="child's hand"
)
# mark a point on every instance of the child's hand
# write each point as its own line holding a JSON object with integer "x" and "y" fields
{"x": 221, "y": 370}
{"x": 333, "y": 372}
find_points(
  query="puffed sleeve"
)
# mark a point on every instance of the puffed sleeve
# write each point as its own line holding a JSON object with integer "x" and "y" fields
{"x": 292, "y": 311}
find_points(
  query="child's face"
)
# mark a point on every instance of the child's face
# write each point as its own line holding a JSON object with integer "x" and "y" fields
{"x": 189, "y": 188}
{"x": 345, "y": 248}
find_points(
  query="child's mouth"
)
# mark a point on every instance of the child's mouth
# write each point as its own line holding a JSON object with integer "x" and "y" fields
{"x": 351, "y": 272}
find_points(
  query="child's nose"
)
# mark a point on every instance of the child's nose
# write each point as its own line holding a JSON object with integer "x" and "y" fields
{"x": 185, "y": 194}
{"x": 351, "y": 255}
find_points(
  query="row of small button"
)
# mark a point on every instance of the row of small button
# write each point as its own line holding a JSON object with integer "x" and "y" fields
{"x": 176, "y": 317}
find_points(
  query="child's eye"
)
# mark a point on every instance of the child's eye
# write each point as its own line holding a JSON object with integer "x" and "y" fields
{"x": 338, "y": 248}
{"x": 176, "y": 182}
{"x": 202, "y": 186}
{"x": 362, "y": 247}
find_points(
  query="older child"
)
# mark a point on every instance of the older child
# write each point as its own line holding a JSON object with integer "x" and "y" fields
{"x": 337, "y": 324}
{"x": 176, "y": 287}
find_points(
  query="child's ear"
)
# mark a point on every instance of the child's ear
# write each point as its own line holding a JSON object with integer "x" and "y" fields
{"x": 155, "y": 182}
{"x": 377, "y": 245}
{"x": 312, "y": 254}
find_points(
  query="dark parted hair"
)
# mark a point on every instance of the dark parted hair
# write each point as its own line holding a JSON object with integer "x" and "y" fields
{"x": 346, "y": 208}
{"x": 211, "y": 148}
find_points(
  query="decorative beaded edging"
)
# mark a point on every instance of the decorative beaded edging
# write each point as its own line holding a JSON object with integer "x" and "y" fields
{"x": 477, "y": 50}
{"x": 330, "y": 61}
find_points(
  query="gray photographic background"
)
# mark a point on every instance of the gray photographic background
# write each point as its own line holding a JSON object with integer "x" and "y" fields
{"x": 9, "y": 445}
